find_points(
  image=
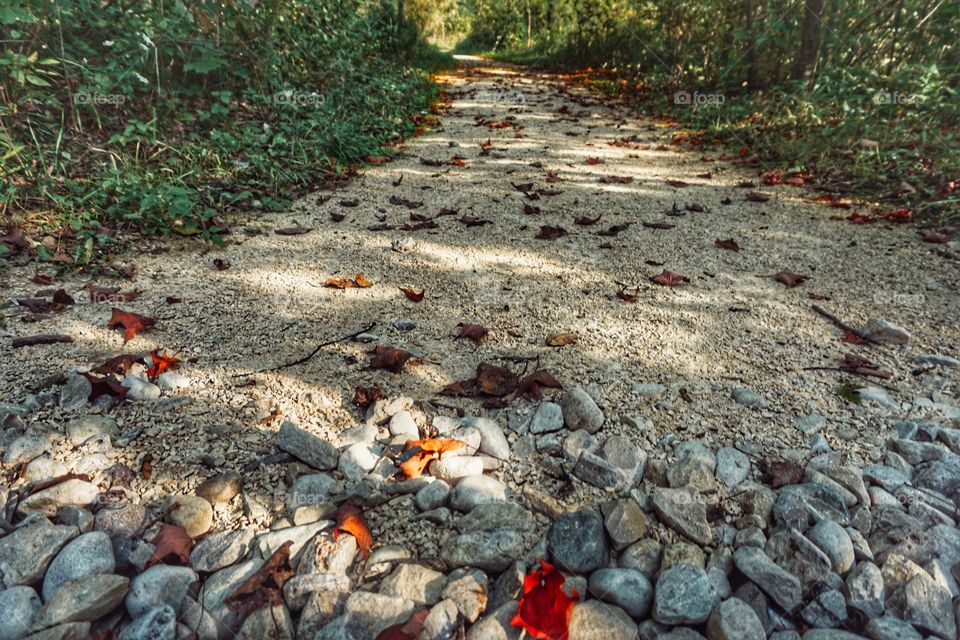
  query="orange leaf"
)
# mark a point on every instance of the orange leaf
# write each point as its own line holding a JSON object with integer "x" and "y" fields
{"x": 418, "y": 454}
{"x": 172, "y": 546}
{"x": 132, "y": 323}
{"x": 358, "y": 282}
{"x": 350, "y": 520}
{"x": 161, "y": 362}
{"x": 544, "y": 610}
{"x": 413, "y": 295}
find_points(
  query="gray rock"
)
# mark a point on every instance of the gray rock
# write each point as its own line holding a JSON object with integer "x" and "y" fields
{"x": 492, "y": 441}
{"x": 937, "y": 360}
{"x": 367, "y": 614}
{"x": 798, "y": 505}
{"x": 734, "y": 619}
{"x": 321, "y": 608}
{"x": 649, "y": 390}
{"x": 494, "y": 516}
{"x": 441, "y": 622}
{"x": 879, "y": 396}
{"x": 886, "y": 332}
{"x": 926, "y": 605}
{"x": 83, "y": 600}
{"x": 684, "y": 594}
{"x": 43, "y": 468}
{"x": 403, "y": 424}
{"x": 159, "y": 623}
{"x": 433, "y": 495}
{"x": 456, "y": 468}
{"x": 625, "y": 522}
{"x": 733, "y": 467}
{"x": 577, "y": 543}
{"x": 576, "y": 443}
{"x": 864, "y": 588}
{"x": 783, "y": 587}
{"x": 313, "y": 450}
{"x": 221, "y": 488}
{"x": 795, "y": 553}
{"x": 476, "y": 490}
{"x": 414, "y": 582}
{"x": 594, "y": 470}
{"x": 810, "y": 424}
{"x": 267, "y": 623}
{"x": 828, "y": 610}
{"x": 750, "y": 536}
{"x": 939, "y": 476}
{"x": 834, "y": 541}
{"x": 122, "y": 520}
{"x": 27, "y": 551}
{"x": 310, "y": 489}
{"x": 138, "y": 389}
{"x": 75, "y": 392}
{"x": 547, "y": 418}
{"x": 358, "y": 460}
{"x": 172, "y": 381}
{"x": 683, "y": 510}
{"x": 748, "y": 398}
{"x": 468, "y": 589}
{"x": 580, "y": 411}
{"x": 490, "y": 552}
{"x": 268, "y": 542}
{"x": 82, "y": 429}
{"x": 496, "y": 625}
{"x": 86, "y": 555}
{"x": 890, "y": 628}
{"x": 27, "y": 447}
{"x": 298, "y": 589}
{"x": 221, "y": 549}
{"x": 819, "y": 444}
{"x": 19, "y": 606}
{"x": 159, "y": 585}
{"x": 594, "y": 620}
{"x": 627, "y": 588}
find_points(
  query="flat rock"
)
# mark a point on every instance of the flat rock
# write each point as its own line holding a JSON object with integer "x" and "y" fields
{"x": 864, "y": 589}
{"x": 592, "y": 620}
{"x": 221, "y": 549}
{"x": 159, "y": 585}
{"x": 68, "y": 631}
{"x": 79, "y": 430}
{"x": 454, "y": 469}
{"x": 75, "y": 392}
{"x": 783, "y": 587}
{"x": 625, "y": 522}
{"x": 86, "y": 555}
{"x": 628, "y": 589}
{"x": 83, "y": 600}
{"x": 580, "y": 411}
{"x": 315, "y": 451}
{"x": 891, "y": 628}
{"x": 886, "y": 332}
{"x": 414, "y": 582}
{"x": 27, "y": 551}
{"x": 476, "y": 490}
{"x": 734, "y": 619}
{"x": 577, "y": 543}
{"x": 19, "y": 606}
{"x": 926, "y": 605}
{"x": 684, "y": 594}
{"x": 683, "y": 510}
{"x": 547, "y": 418}
{"x": 357, "y": 460}
{"x": 367, "y": 614}
{"x": 74, "y": 492}
{"x": 220, "y": 488}
{"x": 267, "y": 623}
{"x": 490, "y": 552}
{"x": 496, "y": 624}
{"x": 733, "y": 466}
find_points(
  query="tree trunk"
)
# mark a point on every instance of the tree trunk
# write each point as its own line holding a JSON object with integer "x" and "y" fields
{"x": 810, "y": 39}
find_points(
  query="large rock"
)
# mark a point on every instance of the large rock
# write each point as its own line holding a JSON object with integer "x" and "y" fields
{"x": 886, "y": 332}
{"x": 733, "y": 467}
{"x": 467, "y": 589}
{"x": 86, "y": 555}
{"x": 593, "y": 620}
{"x": 734, "y": 619}
{"x": 159, "y": 585}
{"x": 83, "y": 600}
{"x": 625, "y": 521}
{"x": 221, "y": 549}
{"x": 367, "y": 614}
{"x": 492, "y": 441}
{"x": 476, "y": 490}
{"x": 27, "y": 551}
{"x": 781, "y": 586}
{"x": 414, "y": 582}
{"x": 82, "y": 429}
{"x": 193, "y": 513}
{"x": 313, "y": 450}
{"x": 834, "y": 541}
{"x": 160, "y": 623}
{"x": 220, "y": 488}
{"x": 577, "y": 542}
{"x": 490, "y": 552}
{"x": 683, "y": 510}
{"x": 19, "y": 606}
{"x": 79, "y": 493}
{"x": 926, "y": 605}
{"x": 684, "y": 594}
{"x": 267, "y": 623}
{"x": 580, "y": 411}
{"x": 627, "y": 588}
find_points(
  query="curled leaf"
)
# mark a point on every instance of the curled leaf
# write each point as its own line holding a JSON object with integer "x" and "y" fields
{"x": 790, "y": 279}
{"x": 418, "y": 454}
{"x": 350, "y": 520}
{"x": 172, "y": 546}
{"x": 475, "y": 332}
{"x": 413, "y": 295}
{"x": 132, "y": 323}
{"x": 389, "y": 358}
{"x": 669, "y": 279}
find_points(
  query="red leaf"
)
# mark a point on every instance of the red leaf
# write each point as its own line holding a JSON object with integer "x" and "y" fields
{"x": 117, "y": 364}
{"x": 357, "y": 282}
{"x": 161, "y": 362}
{"x": 107, "y": 385}
{"x": 544, "y": 610}
{"x": 730, "y": 244}
{"x": 413, "y": 295}
{"x": 669, "y": 279}
{"x": 172, "y": 546}
{"x": 851, "y": 338}
{"x": 625, "y": 294}
{"x": 350, "y": 520}
{"x": 592, "y": 160}
{"x": 534, "y": 383}
{"x": 771, "y": 178}
{"x": 790, "y": 279}
{"x": 132, "y": 323}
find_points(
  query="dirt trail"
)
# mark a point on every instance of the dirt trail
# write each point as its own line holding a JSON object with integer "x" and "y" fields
{"x": 732, "y": 326}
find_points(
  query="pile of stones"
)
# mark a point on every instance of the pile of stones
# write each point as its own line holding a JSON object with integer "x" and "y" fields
{"x": 724, "y": 544}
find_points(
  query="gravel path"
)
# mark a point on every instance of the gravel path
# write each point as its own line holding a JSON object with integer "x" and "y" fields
{"x": 731, "y": 326}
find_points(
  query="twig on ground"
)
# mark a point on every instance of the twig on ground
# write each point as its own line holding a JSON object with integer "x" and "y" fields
{"x": 309, "y": 355}
{"x": 843, "y": 325}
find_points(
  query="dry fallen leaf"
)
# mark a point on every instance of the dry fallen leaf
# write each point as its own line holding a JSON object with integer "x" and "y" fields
{"x": 172, "y": 546}
{"x": 782, "y": 472}
{"x": 107, "y": 385}
{"x": 790, "y": 279}
{"x": 357, "y": 282}
{"x": 389, "y": 358}
{"x": 265, "y": 587}
{"x": 729, "y": 244}
{"x": 669, "y": 279}
{"x": 534, "y": 384}
{"x": 418, "y": 454}
{"x": 584, "y": 221}
{"x": 409, "y": 630}
{"x": 475, "y": 332}
{"x": 161, "y": 362}
{"x": 350, "y": 520}
{"x": 117, "y": 364}
{"x": 413, "y": 295}
{"x": 490, "y": 380}
{"x": 679, "y": 184}
{"x": 548, "y": 232}
{"x": 561, "y": 339}
{"x": 132, "y": 323}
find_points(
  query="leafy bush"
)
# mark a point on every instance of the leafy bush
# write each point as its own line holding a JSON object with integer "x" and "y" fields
{"x": 154, "y": 115}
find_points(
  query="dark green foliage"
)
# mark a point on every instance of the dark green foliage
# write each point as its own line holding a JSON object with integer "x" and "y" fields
{"x": 154, "y": 114}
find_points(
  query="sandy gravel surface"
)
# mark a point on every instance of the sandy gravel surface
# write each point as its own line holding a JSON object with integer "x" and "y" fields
{"x": 733, "y": 325}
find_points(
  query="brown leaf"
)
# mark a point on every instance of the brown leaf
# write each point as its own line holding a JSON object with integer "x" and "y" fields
{"x": 292, "y": 231}
{"x": 756, "y": 196}
{"x": 679, "y": 184}
{"x": 389, "y": 358}
{"x": 592, "y": 160}
{"x": 658, "y": 225}
{"x": 530, "y": 210}
{"x": 475, "y": 332}
{"x": 337, "y": 217}
{"x": 413, "y": 295}
{"x": 584, "y": 221}
{"x": 534, "y": 383}
{"x": 31, "y": 341}
{"x": 471, "y": 221}
{"x": 852, "y": 363}
{"x": 548, "y": 232}
{"x": 363, "y": 397}
{"x": 132, "y": 323}
{"x": 729, "y": 244}
{"x": 628, "y": 295}
{"x": 409, "y": 630}
{"x": 561, "y": 339}
{"x": 106, "y": 385}
{"x": 350, "y": 520}
{"x": 615, "y": 229}
{"x": 616, "y": 179}
{"x": 172, "y": 546}
{"x": 357, "y": 282}
{"x": 403, "y": 202}
{"x": 265, "y": 587}
{"x": 418, "y": 454}
{"x": 62, "y": 297}
{"x": 782, "y": 472}
{"x": 669, "y": 279}
{"x": 524, "y": 188}
{"x": 490, "y": 380}
{"x": 118, "y": 364}
{"x": 221, "y": 264}
{"x": 790, "y": 279}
